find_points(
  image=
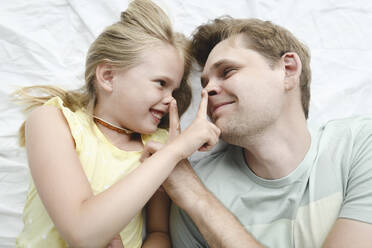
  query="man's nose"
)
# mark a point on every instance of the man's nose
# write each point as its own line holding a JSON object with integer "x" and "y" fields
{"x": 213, "y": 88}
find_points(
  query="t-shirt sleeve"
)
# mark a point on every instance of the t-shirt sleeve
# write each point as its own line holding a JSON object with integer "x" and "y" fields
{"x": 357, "y": 203}
{"x": 184, "y": 233}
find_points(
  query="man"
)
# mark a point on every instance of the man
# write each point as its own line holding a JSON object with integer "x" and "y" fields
{"x": 278, "y": 183}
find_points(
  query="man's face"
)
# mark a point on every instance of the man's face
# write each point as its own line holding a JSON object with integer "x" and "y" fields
{"x": 245, "y": 93}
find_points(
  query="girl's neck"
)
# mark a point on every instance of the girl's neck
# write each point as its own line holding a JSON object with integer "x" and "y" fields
{"x": 111, "y": 126}
{"x": 122, "y": 140}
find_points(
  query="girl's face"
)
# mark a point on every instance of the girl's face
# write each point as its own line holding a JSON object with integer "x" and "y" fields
{"x": 141, "y": 95}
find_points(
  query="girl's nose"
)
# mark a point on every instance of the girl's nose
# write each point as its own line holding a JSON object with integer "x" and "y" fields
{"x": 167, "y": 99}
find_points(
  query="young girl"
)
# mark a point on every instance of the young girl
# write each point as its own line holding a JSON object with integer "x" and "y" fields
{"x": 84, "y": 147}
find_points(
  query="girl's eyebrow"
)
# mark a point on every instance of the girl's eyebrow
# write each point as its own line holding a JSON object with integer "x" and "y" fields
{"x": 164, "y": 77}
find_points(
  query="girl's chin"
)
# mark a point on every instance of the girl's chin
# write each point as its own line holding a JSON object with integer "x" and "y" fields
{"x": 147, "y": 130}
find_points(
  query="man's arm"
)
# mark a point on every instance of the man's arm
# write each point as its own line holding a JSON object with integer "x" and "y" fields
{"x": 347, "y": 230}
{"x": 349, "y": 233}
{"x": 218, "y": 225}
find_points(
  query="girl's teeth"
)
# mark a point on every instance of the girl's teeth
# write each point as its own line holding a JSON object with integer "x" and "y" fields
{"x": 157, "y": 115}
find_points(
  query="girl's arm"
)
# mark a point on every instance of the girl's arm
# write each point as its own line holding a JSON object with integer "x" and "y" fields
{"x": 84, "y": 219}
{"x": 157, "y": 219}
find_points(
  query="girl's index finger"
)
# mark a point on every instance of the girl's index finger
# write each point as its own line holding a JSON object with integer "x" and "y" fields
{"x": 174, "y": 120}
{"x": 203, "y": 106}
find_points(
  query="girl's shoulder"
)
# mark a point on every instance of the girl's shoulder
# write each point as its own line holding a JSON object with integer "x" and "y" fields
{"x": 47, "y": 122}
{"x": 54, "y": 115}
{"x": 54, "y": 110}
{"x": 46, "y": 115}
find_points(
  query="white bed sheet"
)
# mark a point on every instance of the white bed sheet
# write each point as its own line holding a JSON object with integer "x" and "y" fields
{"x": 45, "y": 41}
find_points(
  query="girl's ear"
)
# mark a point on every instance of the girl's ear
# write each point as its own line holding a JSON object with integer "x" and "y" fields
{"x": 293, "y": 68}
{"x": 105, "y": 76}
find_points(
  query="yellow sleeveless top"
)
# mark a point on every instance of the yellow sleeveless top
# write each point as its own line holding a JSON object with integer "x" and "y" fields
{"x": 103, "y": 163}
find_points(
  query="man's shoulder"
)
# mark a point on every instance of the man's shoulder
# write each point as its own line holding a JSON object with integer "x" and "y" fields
{"x": 355, "y": 122}
{"x": 347, "y": 128}
{"x": 343, "y": 139}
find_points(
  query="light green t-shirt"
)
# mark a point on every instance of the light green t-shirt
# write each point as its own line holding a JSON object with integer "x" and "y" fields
{"x": 333, "y": 181}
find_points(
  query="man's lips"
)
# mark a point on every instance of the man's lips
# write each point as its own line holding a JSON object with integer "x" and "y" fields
{"x": 219, "y": 106}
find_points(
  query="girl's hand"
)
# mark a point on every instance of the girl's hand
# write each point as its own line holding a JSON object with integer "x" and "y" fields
{"x": 174, "y": 129}
{"x": 150, "y": 148}
{"x": 201, "y": 135}
{"x": 116, "y": 242}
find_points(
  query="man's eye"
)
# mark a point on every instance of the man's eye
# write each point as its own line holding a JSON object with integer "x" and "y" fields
{"x": 227, "y": 72}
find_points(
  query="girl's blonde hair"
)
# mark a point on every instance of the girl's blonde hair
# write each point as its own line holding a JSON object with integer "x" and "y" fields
{"x": 120, "y": 45}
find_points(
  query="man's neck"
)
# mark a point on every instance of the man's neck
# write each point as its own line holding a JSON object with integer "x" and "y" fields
{"x": 276, "y": 152}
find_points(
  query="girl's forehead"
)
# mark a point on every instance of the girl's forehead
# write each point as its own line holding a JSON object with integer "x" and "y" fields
{"x": 159, "y": 50}
{"x": 162, "y": 61}
{"x": 161, "y": 56}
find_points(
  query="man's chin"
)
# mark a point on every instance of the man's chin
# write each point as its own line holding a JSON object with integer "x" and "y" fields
{"x": 225, "y": 130}
{"x": 221, "y": 123}
{"x": 217, "y": 122}
{"x": 228, "y": 137}
{"x": 229, "y": 132}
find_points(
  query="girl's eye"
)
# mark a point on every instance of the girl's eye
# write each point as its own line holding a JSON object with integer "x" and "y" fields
{"x": 161, "y": 82}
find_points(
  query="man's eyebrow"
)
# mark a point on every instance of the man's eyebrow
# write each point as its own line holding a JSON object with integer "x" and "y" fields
{"x": 204, "y": 79}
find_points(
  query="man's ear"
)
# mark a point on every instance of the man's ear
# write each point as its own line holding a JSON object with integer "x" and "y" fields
{"x": 293, "y": 68}
{"x": 105, "y": 76}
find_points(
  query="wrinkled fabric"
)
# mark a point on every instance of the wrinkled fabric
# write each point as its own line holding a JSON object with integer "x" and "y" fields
{"x": 45, "y": 42}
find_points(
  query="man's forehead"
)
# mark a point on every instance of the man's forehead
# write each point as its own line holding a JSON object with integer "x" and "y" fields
{"x": 222, "y": 48}
{"x": 226, "y": 50}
